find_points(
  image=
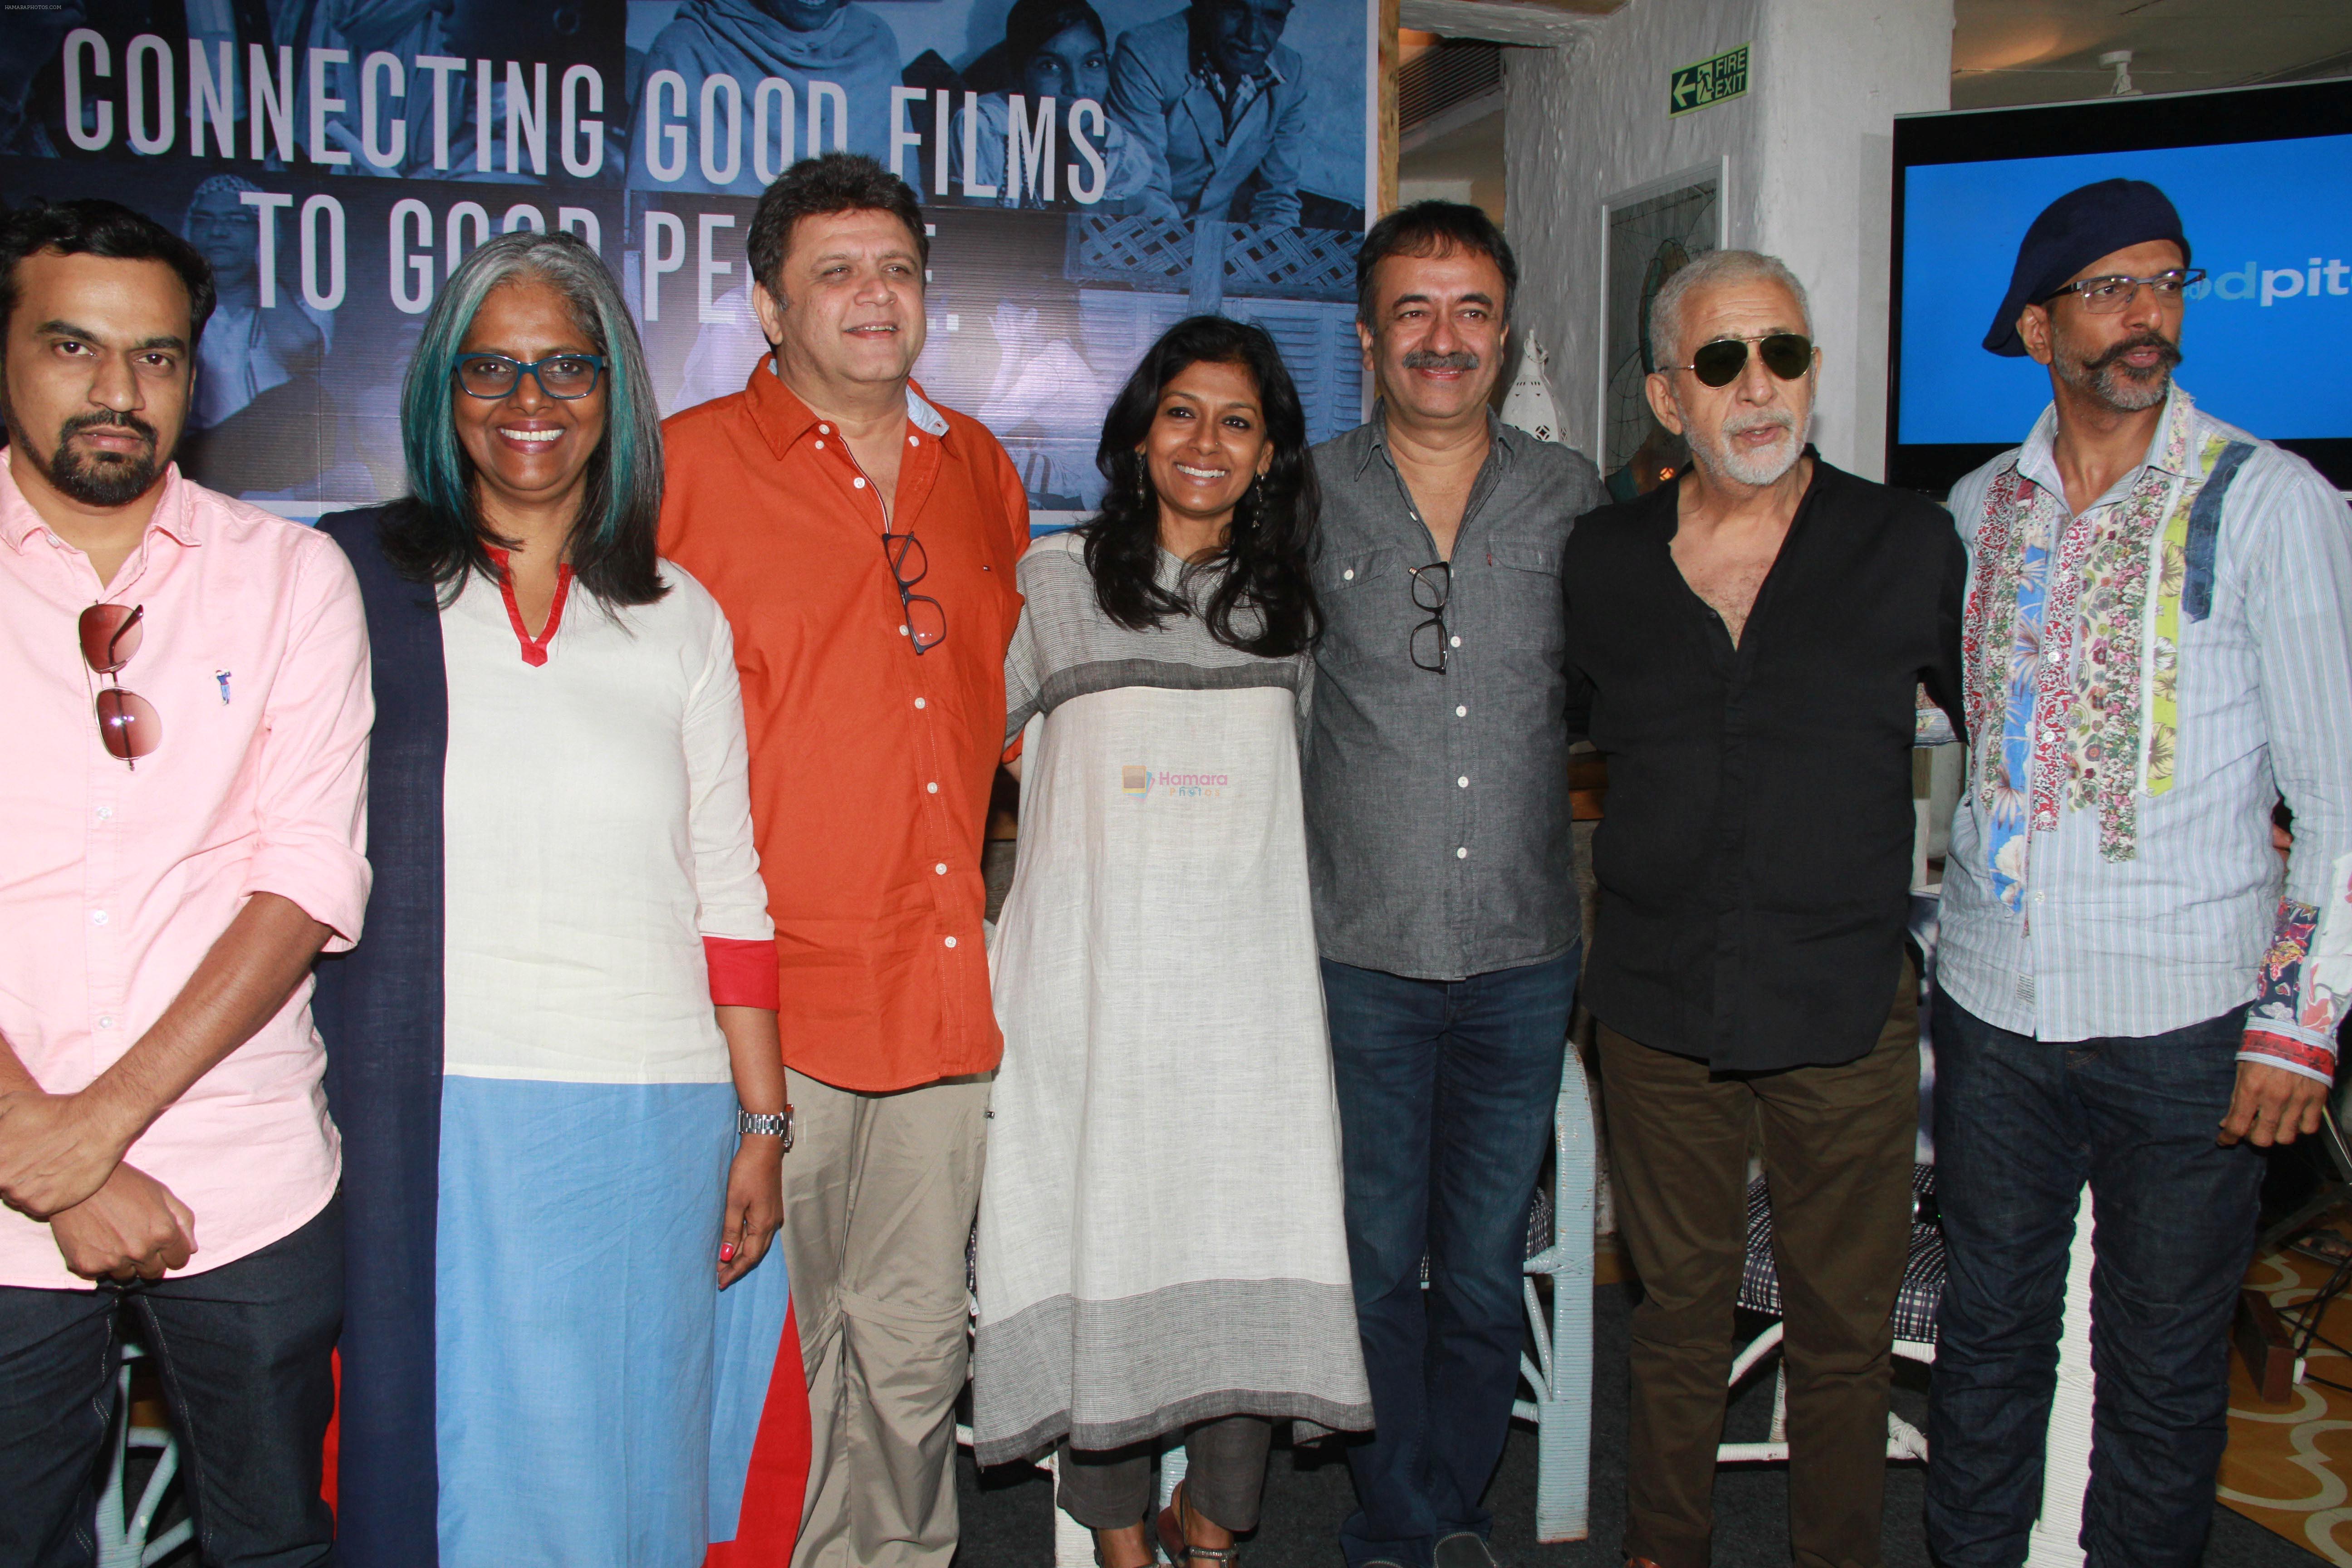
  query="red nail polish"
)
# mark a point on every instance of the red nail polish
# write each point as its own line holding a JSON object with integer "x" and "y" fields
{"x": 727, "y": 1253}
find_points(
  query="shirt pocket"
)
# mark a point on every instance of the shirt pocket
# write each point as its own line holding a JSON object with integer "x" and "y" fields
{"x": 1367, "y": 602}
{"x": 1528, "y": 609}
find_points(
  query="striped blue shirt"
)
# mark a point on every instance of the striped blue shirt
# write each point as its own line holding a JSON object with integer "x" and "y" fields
{"x": 2193, "y": 917}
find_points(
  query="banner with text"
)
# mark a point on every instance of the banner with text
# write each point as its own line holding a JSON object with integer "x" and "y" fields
{"x": 1091, "y": 173}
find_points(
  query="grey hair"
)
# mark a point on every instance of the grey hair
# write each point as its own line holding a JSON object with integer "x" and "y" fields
{"x": 1715, "y": 267}
{"x": 613, "y": 550}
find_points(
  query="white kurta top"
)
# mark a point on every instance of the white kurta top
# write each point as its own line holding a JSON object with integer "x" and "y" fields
{"x": 595, "y": 806}
{"x": 1161, "y": 1237}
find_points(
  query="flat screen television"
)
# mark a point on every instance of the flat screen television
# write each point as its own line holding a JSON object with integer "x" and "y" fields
{"x": 2263, "y": 178}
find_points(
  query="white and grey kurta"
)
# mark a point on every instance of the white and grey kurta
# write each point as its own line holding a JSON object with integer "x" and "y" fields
{"x": 1161, "y": 1237}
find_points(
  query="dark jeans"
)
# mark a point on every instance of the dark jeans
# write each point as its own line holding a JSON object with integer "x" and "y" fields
{"x": 1837, "y": 1144}
{"x": 2020, "y": 1124}
{"x": 243, "y": 1351}
{"x": 1446, "y": 1090}
{"x": 1224, "y": 1477}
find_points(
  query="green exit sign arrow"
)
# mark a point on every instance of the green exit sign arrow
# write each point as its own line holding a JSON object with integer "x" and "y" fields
{"x": 1709, "y": 81}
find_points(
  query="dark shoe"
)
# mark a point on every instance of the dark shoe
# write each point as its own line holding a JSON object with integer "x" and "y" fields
{"x": 1464, "y": 1549}
{"x": 1174, "y": 1539}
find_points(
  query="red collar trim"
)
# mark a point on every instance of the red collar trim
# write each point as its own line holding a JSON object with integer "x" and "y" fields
{"x": 534, "y": 650}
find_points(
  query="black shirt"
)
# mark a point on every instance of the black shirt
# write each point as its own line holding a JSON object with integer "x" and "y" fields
{"x": 1755, "y": 860}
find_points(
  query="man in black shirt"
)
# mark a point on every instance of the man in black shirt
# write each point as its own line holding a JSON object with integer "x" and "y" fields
{"x": 1749, "y": 642}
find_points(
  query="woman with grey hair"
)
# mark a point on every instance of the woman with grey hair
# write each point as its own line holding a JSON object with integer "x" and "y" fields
{"x": 554, "y": 1061}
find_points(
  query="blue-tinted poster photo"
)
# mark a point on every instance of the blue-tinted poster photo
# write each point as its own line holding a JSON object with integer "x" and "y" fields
{"x": 1092, "y": 170}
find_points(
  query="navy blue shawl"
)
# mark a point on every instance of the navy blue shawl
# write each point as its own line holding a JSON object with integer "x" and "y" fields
{"x": 379, "y": 1009}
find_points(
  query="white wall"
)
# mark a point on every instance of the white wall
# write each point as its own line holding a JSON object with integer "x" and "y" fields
{"x": 1811, "y": 151}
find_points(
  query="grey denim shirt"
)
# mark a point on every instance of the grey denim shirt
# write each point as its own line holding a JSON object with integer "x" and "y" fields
{"x": 1437, "y": 811}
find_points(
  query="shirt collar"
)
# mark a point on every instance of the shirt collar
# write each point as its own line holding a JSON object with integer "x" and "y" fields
{"x": 1205, "y": 70}
{"x": 175, "y": 516}
{"x": 2170, "y": 449}
{"x": 1500, "y": 437}
{"x": 785, "y": 420}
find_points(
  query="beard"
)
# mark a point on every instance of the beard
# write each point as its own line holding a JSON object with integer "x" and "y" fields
{"x": 1717, "y": 452}
{"x": 93, "y": 478}
{"x": 2122, "y": 387}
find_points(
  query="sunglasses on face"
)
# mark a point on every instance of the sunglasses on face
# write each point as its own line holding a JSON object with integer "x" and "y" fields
{"x": 128, "y": 725}
{"x": 1720, "y": 364}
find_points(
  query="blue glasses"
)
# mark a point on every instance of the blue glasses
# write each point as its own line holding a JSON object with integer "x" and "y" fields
{"x": 566, "y": 376}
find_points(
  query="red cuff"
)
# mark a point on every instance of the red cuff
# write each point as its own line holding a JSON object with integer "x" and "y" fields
{"x": 2312, "y": 1061}
{"x": 742, "y": 974}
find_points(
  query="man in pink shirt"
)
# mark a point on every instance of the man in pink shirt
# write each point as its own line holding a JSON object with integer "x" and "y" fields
{"x": 182, "y": 784}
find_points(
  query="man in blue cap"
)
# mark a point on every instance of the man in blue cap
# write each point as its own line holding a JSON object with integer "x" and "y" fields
{"x": 2157, "y": 640}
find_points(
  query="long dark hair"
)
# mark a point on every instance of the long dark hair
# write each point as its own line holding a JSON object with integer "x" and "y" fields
{"x": 1263, "y": 564}
{"x": 436, "y": 535}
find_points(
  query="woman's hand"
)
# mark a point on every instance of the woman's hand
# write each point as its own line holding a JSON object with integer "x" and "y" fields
{"x": 755, "y": 1206}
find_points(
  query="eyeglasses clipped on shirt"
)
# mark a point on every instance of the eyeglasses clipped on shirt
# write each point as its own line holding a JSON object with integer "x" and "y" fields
{"x": 1431, "y": 585}
{"x": 128, "y": 725}
{"x": 926, "y": 623}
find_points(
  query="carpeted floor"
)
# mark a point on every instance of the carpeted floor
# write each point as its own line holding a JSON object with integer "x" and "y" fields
{"x": 2287, "y": 1463}
{"x": 1008, "y": 1519}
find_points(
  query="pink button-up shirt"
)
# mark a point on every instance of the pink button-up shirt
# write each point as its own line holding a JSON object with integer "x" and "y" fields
{"x": 114, "y": 882}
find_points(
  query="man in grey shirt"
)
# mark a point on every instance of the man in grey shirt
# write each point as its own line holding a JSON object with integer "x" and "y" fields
{"x": 1439, "y": 847}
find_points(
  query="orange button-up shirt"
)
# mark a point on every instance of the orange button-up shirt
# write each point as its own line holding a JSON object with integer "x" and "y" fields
{"x": 870, "y": 764}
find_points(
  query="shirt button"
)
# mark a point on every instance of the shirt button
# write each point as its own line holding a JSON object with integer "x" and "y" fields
{"x": 820, "y": 446}
{"x": 1348, "y": 576}
{"x": 97, "y": 916}
{"x": 930, "y": 789}
{"x": 951, "y": 941}
{"x": 106, "y": 814}
{"x": 1462, "y": 782}
{"x": 904, "y": 632}
{"x": 1462, "y": 712}
{"x": 942, "y": 867}
{"x": 918, "y": 703}
{"x": 1457, "y": 642}
{"x": 1462, "y": 852}
{"x": 914, "y": 440}
{"x": 825, "y": 429}
{"x": 859, "y": 483}
{"x": 2037, "y": 896}
{"x": 105, "y": 1021}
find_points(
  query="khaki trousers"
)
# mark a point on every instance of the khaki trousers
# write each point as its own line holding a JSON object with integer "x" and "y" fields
{"x": 1838, "y": 1146}
{"x": 880, "y": 1195}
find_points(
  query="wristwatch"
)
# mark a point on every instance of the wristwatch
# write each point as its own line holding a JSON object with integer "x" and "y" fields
{"x": 766, "y": 1124}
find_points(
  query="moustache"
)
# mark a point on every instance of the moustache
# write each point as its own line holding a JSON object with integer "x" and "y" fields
{"x": 109, "y": 421}
{"x": 2167, "y": 349}
{"x": 1430, "y": 359}
{"x": 1762, "y": 419}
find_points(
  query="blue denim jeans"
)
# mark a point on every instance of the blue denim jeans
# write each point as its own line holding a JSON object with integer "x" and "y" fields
{"x": 2020, "y": 1124}
{"x": 1446, "y": 1090}
{"x": 244, "y": 1352}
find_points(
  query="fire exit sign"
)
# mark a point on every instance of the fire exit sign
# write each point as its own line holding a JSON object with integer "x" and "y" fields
{"x": 1709, "y": 81}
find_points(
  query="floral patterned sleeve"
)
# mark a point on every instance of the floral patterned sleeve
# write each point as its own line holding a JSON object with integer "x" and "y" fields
{"x": 2302, "y": 987}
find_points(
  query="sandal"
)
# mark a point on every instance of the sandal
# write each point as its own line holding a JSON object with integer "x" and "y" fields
{"x": 1174, "y": 1537}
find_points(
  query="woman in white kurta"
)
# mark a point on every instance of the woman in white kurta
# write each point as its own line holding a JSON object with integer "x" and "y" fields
{"x": 1161, "y": 1243}
{"x": 605, "y": 964}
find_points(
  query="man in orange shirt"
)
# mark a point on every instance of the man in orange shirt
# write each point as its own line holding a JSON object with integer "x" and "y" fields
{"x": 862, "y": 543}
